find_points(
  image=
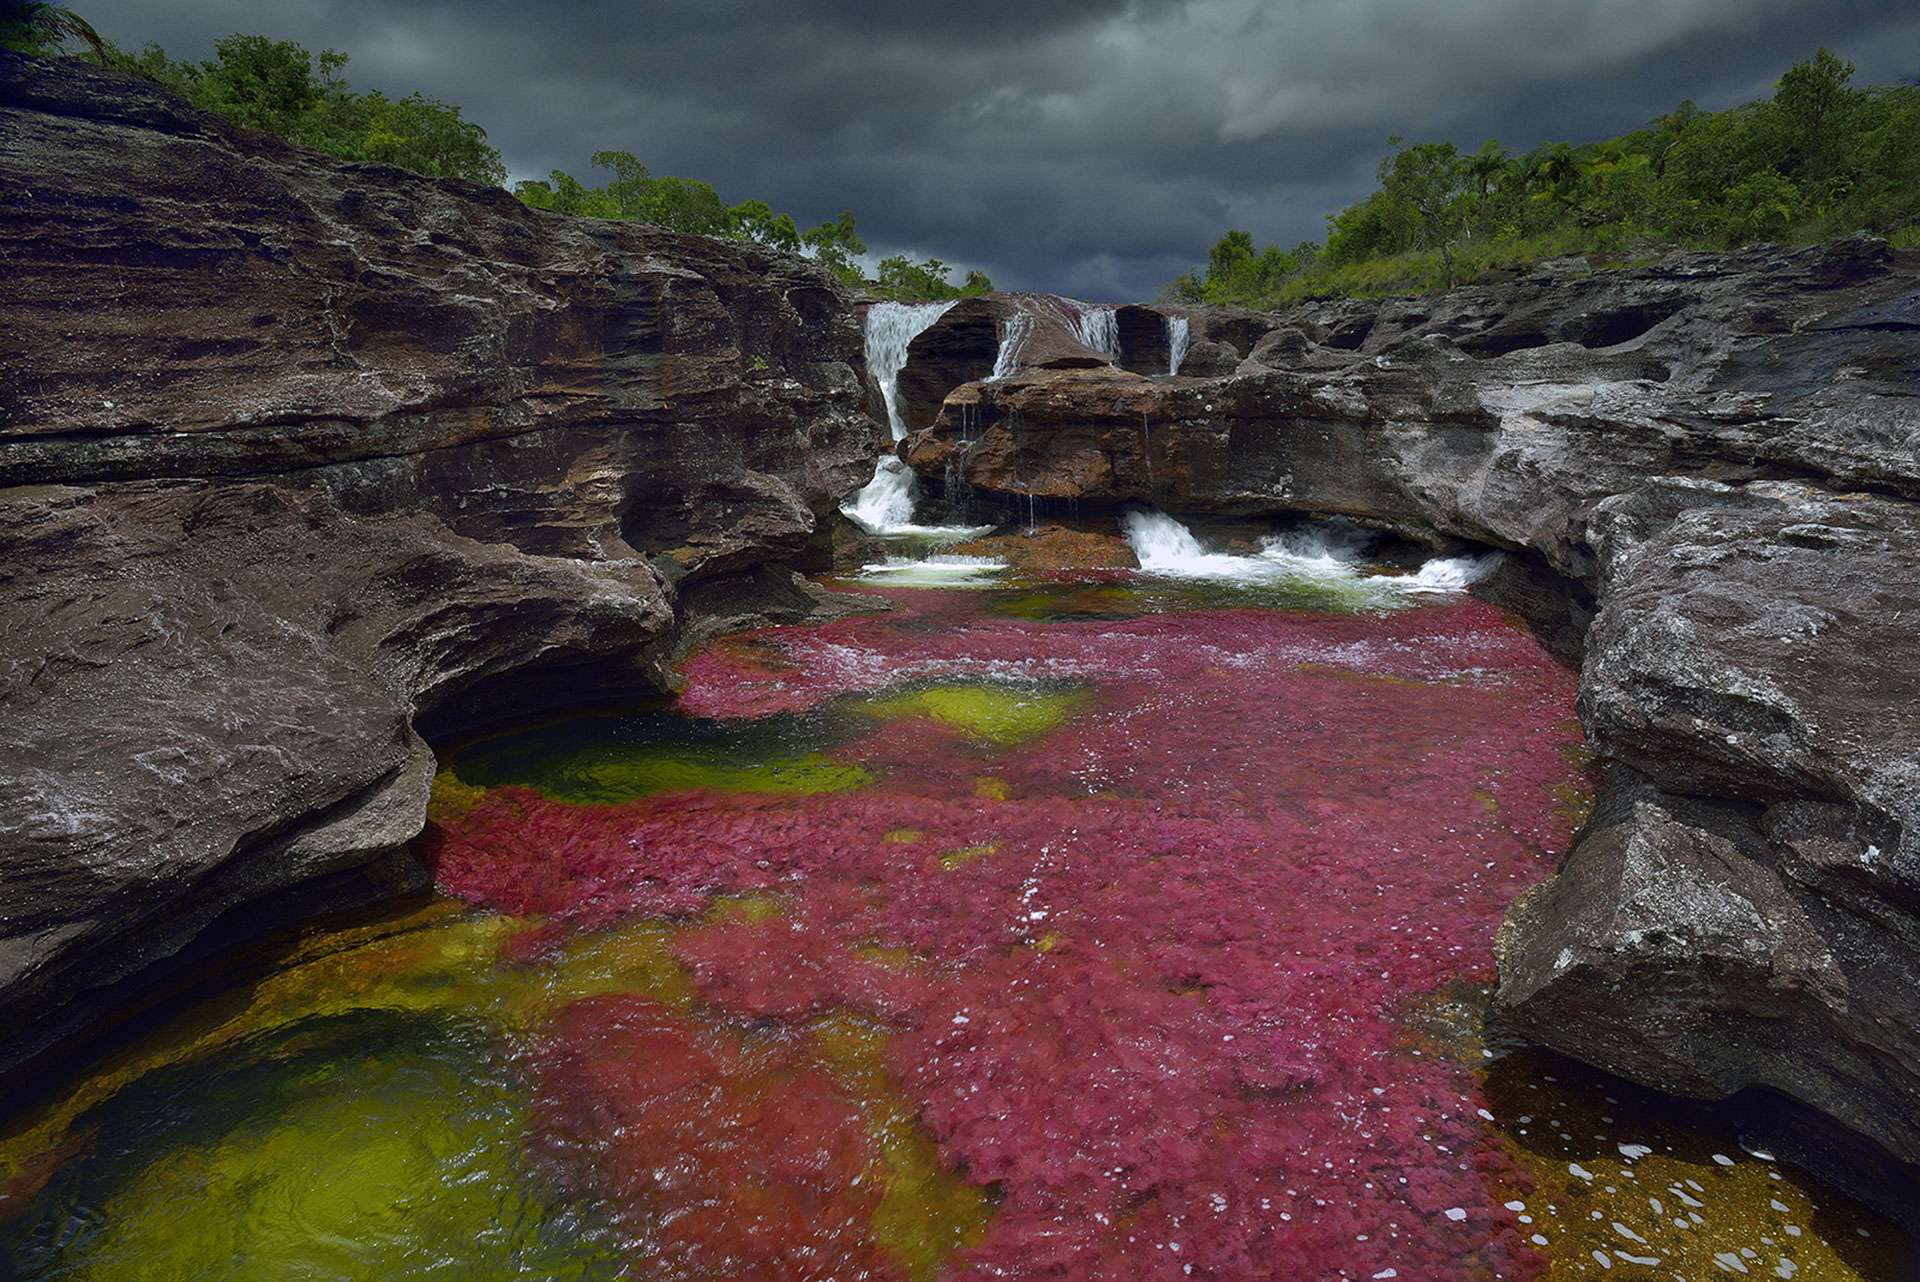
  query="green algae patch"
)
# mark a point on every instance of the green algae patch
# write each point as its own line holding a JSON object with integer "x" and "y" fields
{"x": 450, "y": 799}
{"x": 641, "y": 774}
{"x": 375, "y": 1145}
{"x": 999, "y": 716}
{"x": 605, "y": 760}
{"x": 432, "y": 962}
{"x": 926, "y": 1212}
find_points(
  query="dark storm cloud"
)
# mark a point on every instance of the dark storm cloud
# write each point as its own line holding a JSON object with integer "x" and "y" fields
{"x": 1096, "y": 147}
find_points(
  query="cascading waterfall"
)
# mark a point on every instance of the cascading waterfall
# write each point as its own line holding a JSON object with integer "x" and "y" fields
{"x": 885, "y": 505}
{"x": 1178, "y": 340}
{"x": 1323, "y": 556}
{"x": 1013, "y": 336}
{"x": 891, "y": 329}
{"x": 1098, "y": 328}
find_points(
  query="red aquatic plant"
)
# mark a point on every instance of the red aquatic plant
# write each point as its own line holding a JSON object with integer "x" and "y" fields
{"x": 1149, "y": 973}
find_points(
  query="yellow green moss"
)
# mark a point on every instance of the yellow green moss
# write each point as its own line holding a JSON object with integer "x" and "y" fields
{"x": 996, "y": 715}
{"x": 926, "y": 1212}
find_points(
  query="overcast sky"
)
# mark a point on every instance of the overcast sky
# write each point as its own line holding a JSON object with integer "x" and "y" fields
{"x": 1093, "y": 147}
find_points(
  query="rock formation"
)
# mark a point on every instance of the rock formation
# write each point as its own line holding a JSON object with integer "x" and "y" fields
{"x": 1721, "y": 453}
{"x": 296, "y": 455}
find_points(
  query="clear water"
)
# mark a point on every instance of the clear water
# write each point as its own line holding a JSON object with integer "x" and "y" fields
{"x": 1117, "y": 927}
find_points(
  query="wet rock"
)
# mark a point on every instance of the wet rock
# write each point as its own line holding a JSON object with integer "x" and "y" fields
{"x": 1055, "y": 547}
{"x": 295, "y": 453}
{"x": 1706, "y": 471}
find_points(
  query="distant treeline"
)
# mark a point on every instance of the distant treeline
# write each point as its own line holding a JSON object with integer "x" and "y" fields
{"x": 1819, "y": 159}
{"x": 279, "y": 86}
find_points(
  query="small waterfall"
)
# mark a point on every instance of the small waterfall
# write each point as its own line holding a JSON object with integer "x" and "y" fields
{"x": 1098, "y": 328}
{"x": 886, "y": 505}
{"x": 1013, "y": 336}
{"x": 1178, "y": 340}
{"x": 891, "y": 328}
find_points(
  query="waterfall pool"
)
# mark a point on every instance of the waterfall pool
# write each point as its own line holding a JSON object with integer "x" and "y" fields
{"x": 1106, "y": 928}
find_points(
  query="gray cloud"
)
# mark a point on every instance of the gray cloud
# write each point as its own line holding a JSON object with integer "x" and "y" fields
{"x": 1095, "y": 147}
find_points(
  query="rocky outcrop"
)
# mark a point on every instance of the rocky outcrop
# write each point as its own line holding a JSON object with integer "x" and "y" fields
{"x": 297, "y": 455}
{"x": 1721, "y": 454}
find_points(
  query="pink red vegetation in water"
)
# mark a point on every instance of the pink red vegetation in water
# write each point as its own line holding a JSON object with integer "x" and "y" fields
{"x": 1148, "y": 975}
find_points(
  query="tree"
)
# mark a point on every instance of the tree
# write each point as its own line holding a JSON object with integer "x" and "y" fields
{"x": 835, "y": 245}
{"x": 1429, "y": 179}
{"x": 1814, "y": 100}
{"x": 41, "y": 29}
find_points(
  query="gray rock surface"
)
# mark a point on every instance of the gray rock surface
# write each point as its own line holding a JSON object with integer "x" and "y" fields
{"x": 295, "y": 454}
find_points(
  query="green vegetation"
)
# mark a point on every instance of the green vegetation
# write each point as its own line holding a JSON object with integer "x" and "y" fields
{"x": 278, "y": 86}
{"x": 281, "y": 87}
{"x": 689, "y": 205}
{"x": 1819, "y": 159}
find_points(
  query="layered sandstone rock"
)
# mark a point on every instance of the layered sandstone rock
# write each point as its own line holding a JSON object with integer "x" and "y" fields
{"x": 295, "y": 454}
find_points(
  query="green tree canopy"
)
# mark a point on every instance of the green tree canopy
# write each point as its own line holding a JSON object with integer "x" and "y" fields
{"x": 1819, "y": 158}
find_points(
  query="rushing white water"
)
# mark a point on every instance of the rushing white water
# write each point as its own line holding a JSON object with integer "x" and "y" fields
{"x": 1178, "y": 340}
{"x": 1319, "y": 556}
{"x": 887, "y": 501}
{"x": 1098, "y": 328}
{"x": 885, "y": 505}
{"x": 891, "y": 328}
{"x": 1013, "y": 336}
{"x": 935, "y": 572}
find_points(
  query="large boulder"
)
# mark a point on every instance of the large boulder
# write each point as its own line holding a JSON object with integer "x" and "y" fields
{"x": 298, "y": 456}
{"x": 1717, "y": 459}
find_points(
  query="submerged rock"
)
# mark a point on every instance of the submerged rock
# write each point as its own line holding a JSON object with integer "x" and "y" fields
{"x": 1716, "y": 459}
{"x": 295, "y": 453}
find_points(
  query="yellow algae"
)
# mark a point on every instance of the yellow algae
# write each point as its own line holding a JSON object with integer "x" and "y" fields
{"x": 904, "y": 836}
{"x": 967, "y": 854}
{"x": 641, "y": 773}
{"x": 991, "y": 789}
{"x": 926, "y": 1212}
{"x": 431, "y": 961}
{"x": 450, "y": 798}
{"x": 892, "y": 958}
{"x": 753, "y": 906}
{"x": 1049, "y": 941}
{"x": 1617, "y": 1174}
{"x": 392, "y": 1157}
{"x": 996, "y": 715}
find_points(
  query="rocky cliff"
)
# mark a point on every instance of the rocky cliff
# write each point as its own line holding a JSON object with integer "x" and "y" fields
{"x": 297, "y": 456}
{"x": 1715, "y": 462}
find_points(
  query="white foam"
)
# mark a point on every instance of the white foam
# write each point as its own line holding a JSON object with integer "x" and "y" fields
{"x": 935, "y": 571}
{"x": 1324, "y": 556}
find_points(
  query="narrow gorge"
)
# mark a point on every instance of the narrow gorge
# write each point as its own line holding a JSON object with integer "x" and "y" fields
{"x": 543, "y": 747}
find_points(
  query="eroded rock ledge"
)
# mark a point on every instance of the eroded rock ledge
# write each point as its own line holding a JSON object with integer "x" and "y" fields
{"x": 1722, "y": 454}
{"x": 294, "y": 453}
